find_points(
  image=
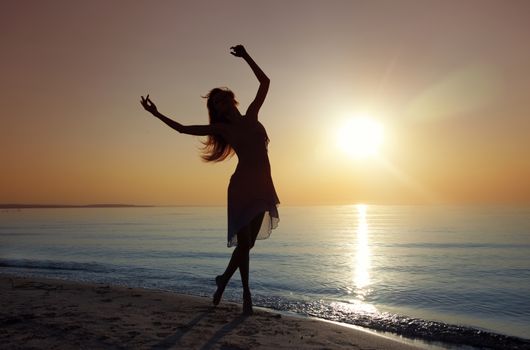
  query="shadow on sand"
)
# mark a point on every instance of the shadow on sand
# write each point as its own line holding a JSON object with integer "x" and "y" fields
{"x": 173, "y": 340}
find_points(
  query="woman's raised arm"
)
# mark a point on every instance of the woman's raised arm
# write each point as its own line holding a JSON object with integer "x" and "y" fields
{"x": 264, "y": 81}
{"x": 197, "y": 130}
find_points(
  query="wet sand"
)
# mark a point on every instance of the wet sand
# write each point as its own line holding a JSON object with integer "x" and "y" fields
{"x": 37, "y": 313}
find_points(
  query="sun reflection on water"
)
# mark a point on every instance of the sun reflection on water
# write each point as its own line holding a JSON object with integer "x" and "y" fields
{"x": 362, "y": 254}
{"x": 361, "y": 265}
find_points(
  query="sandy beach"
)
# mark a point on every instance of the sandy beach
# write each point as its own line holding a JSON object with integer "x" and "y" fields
{"x": 38, "y": 313}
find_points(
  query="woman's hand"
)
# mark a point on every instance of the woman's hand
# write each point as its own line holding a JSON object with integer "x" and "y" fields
{"x": 148, "y": 105}
{"x": 238, "y": 51}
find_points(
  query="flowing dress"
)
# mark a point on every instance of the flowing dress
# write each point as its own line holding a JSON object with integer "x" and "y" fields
{"x": 251, "y": 190}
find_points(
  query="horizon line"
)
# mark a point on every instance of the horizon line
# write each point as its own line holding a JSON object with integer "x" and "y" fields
{"x": 4, "y": 206}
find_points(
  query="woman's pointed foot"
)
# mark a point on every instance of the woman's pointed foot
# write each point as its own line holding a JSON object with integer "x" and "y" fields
{"x": 221, "y": 284}
{"x": 247, "y": 304}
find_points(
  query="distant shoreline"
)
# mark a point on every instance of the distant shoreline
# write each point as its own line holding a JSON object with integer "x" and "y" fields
{"x": 59, "y": 206}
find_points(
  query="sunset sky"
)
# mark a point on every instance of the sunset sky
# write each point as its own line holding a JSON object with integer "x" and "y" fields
{"x": 448, "y": 81}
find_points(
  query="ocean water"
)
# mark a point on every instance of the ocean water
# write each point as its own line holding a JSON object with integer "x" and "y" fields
{"x": 455, "y": 274}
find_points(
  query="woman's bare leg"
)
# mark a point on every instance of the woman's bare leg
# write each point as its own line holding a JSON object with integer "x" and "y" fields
{"x": 250, "y": 238}
{"x": 244, "y": 246}
{"x": 240, "y": 259}
{"x": 222, "y": 280}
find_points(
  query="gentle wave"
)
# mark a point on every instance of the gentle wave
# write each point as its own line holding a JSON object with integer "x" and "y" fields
{"x": 455, "y": 245}
{"x": 415, "y": 328}
{"x": 56, "y": 265}
{"x": 402, "y": 325}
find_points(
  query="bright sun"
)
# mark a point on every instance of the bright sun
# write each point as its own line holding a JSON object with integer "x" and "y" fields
{"x": 360, "y": 137}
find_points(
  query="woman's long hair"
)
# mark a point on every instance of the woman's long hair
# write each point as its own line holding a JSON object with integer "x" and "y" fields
{"x": 215, "y": 148}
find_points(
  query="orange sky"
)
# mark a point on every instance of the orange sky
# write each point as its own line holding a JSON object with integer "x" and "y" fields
{"x": 449, "y": 80}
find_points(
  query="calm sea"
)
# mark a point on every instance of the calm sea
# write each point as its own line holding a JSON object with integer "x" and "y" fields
{"x": 442, "y": 273}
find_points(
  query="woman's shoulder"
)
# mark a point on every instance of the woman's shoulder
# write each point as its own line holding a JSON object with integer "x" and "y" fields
{"x": 251, "y": 122}
{"x": 220, "y": 128}
{"x": 241, "y": 125}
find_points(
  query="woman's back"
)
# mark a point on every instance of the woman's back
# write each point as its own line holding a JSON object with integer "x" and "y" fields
{"x": 249, "y": 140}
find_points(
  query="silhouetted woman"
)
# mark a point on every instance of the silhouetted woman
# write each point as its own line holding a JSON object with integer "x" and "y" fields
{"x": 252, "y": 199}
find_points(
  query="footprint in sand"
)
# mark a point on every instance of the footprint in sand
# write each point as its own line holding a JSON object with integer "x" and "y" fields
{"x": 112, "y": 319}
{"x": 163, "y": 335}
